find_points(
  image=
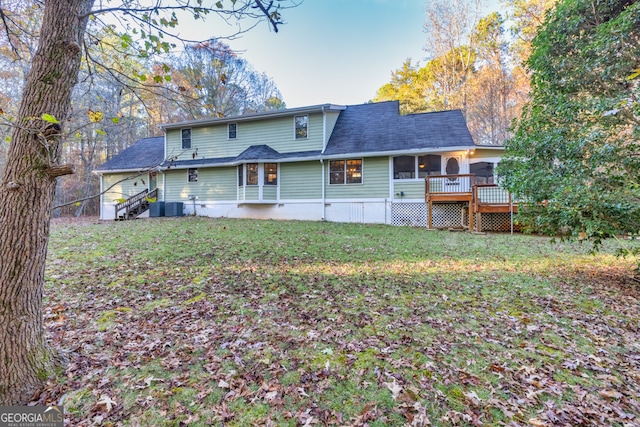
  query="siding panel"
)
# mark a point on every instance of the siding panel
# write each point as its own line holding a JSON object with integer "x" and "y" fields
{"x": 124, "y": 189}
{"x": 375, "y": 181}
{"x": 278, "y": 133}
{"x": 213, "y": 184}
{"x": 301, "y": 180}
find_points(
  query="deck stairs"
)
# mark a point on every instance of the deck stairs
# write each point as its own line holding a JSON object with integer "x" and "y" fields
{"x": 135, "y": 205}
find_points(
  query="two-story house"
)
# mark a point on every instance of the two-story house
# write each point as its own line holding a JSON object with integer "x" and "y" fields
{"x": 360, "y": 163}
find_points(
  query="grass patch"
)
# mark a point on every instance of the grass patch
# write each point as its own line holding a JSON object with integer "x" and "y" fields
{"x": 238, "y": 322}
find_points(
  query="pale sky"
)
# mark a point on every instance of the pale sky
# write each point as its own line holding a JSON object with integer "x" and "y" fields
{"x": 336, "y": 51}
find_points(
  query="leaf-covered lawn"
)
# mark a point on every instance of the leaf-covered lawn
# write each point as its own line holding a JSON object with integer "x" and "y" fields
{"x": 195, "y": 321}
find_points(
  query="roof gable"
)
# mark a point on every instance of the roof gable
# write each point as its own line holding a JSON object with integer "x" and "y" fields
{"x": 379, "y": 127}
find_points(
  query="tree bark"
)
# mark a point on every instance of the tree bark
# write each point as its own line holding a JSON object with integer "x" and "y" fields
{"x": 26, "y": 195}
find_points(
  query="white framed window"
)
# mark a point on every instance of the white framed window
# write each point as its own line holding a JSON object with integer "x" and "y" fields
{"x": 186, "y": 138}
{"x": 345, "y": 171}
{"x": 270, "y": 174}
{"x": 301, "y": 127}
{"x": 411, "y": 167}
{"x": 192, "y": 175}
{"x": 232, "y": 130}
{"x": 252, "y": 174}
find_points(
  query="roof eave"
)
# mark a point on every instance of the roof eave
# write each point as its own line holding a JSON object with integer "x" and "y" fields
{"x": 396, "y": 152}
{"x": 256, "y": 116}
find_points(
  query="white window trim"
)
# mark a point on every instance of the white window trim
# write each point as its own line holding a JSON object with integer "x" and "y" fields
{"x": 416, "y": 166}
{"x": 295, "y": 135}
{"x": 190, "y": 139}
{"x": 228, "y": 130}
{"x": 345, "y": 171}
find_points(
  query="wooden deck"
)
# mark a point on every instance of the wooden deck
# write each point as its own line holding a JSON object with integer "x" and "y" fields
{"x": 478, "y": 199}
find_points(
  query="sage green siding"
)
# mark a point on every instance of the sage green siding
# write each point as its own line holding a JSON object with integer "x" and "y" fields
{"x": 412, "y": 189}
{"x": 213, "y": 184}
{"x": 375, "y": 181}
{"x": 301, "y": 180}
{"x": 212, "y": 141}
{"x": 123, "y": 189}
{"x": 270, "y": 192}
{"x": 251, "y": 192}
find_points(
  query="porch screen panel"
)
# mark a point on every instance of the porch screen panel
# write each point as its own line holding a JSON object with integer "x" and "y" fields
{"x": 429, "y": 164}
{"x": 404, "y": 167}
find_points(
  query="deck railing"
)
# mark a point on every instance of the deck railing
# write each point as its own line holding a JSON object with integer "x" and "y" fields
{"x": 133, "y": 203}
{"x": 491, "y": 194}
{"x": 438, "y": 184}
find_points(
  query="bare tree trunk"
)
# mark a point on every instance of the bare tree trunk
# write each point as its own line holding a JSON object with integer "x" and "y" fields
{"x": 26, "y": 194}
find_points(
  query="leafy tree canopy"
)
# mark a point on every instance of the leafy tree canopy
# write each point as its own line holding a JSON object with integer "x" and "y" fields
{"x": 575, "y": 153}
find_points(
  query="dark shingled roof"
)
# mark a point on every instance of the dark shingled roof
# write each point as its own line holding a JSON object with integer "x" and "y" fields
{"x": 258, "y": 152}
{"x": 379, "y": 127}
{"x": 144, "y": 153}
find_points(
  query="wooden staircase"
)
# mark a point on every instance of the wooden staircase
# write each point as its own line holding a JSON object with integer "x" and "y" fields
{"x": 134, "y": 206}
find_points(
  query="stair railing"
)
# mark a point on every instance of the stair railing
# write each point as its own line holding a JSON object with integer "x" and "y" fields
{"x": 134, "y": 202}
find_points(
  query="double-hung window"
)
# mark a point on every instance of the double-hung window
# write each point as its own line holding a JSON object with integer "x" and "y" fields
{"x": 301, "y": 126}
{"x": 270, "y": 174}
{"x": 345, "y": 171}
{"x": 192, "y": 174}
{"x": 252, "y": 174}
{"x": 232, "y": 130}
{"x": 186, "y": 139}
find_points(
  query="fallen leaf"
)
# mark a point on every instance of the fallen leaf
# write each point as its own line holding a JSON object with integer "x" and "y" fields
{"x": 107, "y": 402}
{"x": 395, "y": 389}
{"x": 610, "y": 394}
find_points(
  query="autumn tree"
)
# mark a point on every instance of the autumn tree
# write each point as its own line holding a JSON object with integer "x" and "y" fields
{"x": 575, "y": 154}
{"x": 449, "y": 25}
{"x": 221, "y": 83}
{"x": 493, "y": 102}
{"x": 33, "y": 165}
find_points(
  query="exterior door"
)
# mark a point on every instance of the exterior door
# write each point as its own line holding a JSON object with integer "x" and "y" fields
{"x": 153, "y": 181}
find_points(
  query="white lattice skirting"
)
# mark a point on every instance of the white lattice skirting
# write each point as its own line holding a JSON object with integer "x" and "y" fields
{"x": 409, "y": 214}
{"x": 496, "y": 222}
{"x": 449, "y": 215}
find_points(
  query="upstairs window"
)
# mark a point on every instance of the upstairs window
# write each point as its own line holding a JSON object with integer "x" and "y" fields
{"x": 345, "y": 171}
{"x": 252, "y": 174}
{"x": 270, "y": 174}
{"x": 192, "y": 175}
{"x": 186, "y": 139}
{"x": 233, "y": 130}
{"x": 301, "y": 126}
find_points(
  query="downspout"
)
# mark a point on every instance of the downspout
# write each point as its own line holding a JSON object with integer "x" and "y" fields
{"x": 324, "y": 205}
{"x": 324, "y": 147}
{"x": 101, "y": 197}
